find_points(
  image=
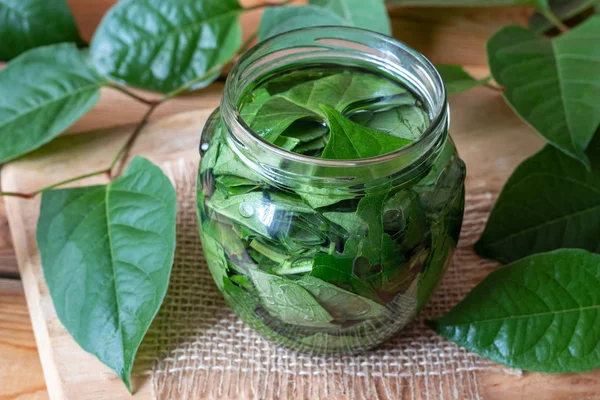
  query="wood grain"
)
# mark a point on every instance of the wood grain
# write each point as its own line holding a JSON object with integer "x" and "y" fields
{"x": 20, "y": 371}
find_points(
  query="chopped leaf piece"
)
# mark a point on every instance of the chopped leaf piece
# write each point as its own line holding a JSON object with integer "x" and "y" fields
{"x": 350, "y": 141}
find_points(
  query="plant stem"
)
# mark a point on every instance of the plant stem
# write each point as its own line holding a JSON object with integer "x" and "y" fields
{"x": 123, "y": 152}
{"x": 31, "y": 195}
{"x": 550, "y": 16}
{"x": 490, "y": 86}
{"x": 130, "y": 94}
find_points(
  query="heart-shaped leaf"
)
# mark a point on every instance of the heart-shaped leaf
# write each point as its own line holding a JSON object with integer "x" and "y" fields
{"x": 276, "y": 20}
{"x": 456, "y": 79}
{"x": 537, "y": 314}
{"x": 563, "y": 9}
{"x": 25, "y": 25}
{"x": 45, "y": 91}
{"x": 107, "y": 253}
{"x": 552, "y": 84}
{"x": 551, "y": 201}
{"x": 366, "y": 14}
{"x": 163, "y": 45}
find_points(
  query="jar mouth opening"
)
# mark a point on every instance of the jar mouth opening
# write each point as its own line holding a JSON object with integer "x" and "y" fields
{"x": 323, "y": 37}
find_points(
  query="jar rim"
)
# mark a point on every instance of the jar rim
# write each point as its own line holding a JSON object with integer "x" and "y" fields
{"x": 439, "y": 105}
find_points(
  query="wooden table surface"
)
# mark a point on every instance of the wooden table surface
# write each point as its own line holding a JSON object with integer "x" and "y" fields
{"x": 444, "y": 35}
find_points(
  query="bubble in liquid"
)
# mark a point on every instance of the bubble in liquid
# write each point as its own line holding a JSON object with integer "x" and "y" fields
{"x": 246, "y": 210}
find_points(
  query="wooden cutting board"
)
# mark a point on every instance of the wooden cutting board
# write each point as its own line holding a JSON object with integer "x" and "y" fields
{"x": 490, "y": 138}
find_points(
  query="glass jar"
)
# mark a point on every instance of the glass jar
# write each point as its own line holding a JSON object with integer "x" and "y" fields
{"x": 328, "y": 256}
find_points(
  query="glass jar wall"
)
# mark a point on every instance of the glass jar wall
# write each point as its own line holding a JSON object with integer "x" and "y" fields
{"x": 328, "y": 256}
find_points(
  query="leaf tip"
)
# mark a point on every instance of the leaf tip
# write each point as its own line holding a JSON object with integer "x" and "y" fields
{"x": 125, "y": 376}
{"x": 433, "y": 324}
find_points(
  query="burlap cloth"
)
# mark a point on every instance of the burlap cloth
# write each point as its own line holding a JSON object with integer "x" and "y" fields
{"x": 198, "y": 349}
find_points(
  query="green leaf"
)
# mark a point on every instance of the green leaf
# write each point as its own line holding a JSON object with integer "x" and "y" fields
{"x": 290, "y": 302}
{"x": 351, "y": 141}
{"x": 337, "y": 270}
{"x": 256, "y": 99}
{"x": 215, "y": 258}
{"x": 351, "y": 222}
{"x": 551, "y": 201}
{"x": 249, "y": 209}
{"x": 435, "y": 266}
{"x": 537, "y": 314}
{"x": 25, "y": 25}
{"x": 228, "y": 163}
{"x": 338, "y": 91}
{"x": 50, "y": 88}
{"x": 163, "y": 45}
{"x": 366, "y": 14}
{"x": 276, "y": 20}
{"x": 341, "y": 304}
{"x": 457, "y": 79}
{"x": 408, "y": 122}
{"x": 563, "y": 9}
{"x": 552, "y": 84}
{"x": 370, "y": 209}
{"x": 324, "y": 196}
{"x": 107, "y": 253}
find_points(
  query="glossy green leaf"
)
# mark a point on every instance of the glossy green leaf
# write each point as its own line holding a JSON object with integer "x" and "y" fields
{"x": 25, "y": 25}
{"x": 351, "y": 141}
{"x": 107, "y": 253}
{"x": 276, "y": 20}
{"x": 163, "y": 45}
{"x": 290, "y": 302}
{"x": 45, "y": 91}
{"x": 370, "y": 209}
{"x": 456, "y": 79}
{"x": 249, "y": 209}
{"x": 365, "y": 14}
{"x": 408, "y": 122}
{"x": 563, "y": 9}
{"x": 337, "y": 91}
{"x": 341, "y": 304}
{"x": 550, "y": 202}
{"x": 537, "y": 314}
{"x": 552, "y": 84}
{"x": 351, "y": 222}
{"x": 337, "y": 270}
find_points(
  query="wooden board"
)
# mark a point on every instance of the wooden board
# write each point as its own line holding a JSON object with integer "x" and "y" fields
{"x": 20, "y": 371}
{"x": 490, "y": 138}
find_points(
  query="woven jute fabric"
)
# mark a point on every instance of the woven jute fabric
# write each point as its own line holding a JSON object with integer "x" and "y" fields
{"x": 197, "y": 348}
